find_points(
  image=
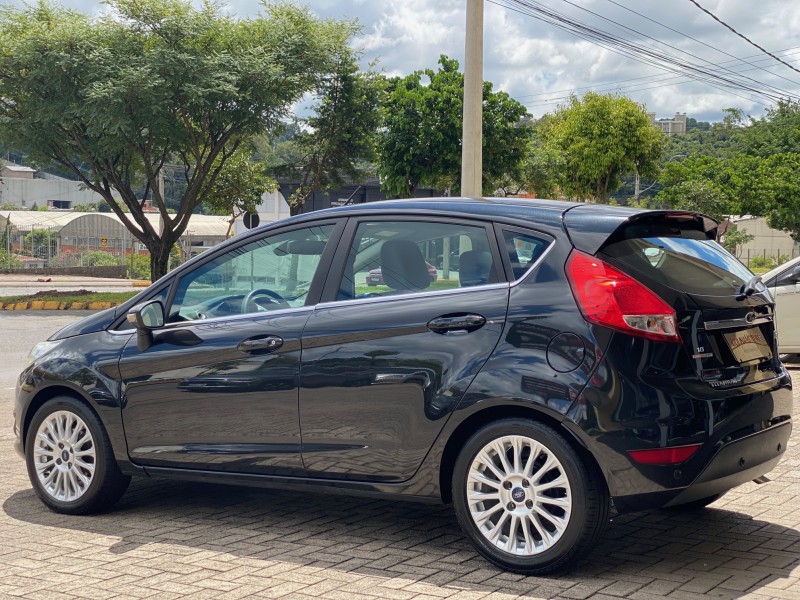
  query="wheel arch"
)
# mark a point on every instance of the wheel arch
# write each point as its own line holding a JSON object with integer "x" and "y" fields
{"x": 48, "y": 393}
{"x": 475, "y": 421}
{"x": 108, "y": 416}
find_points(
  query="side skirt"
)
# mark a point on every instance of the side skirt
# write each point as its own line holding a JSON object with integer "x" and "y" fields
{"x": 388, "y": 491}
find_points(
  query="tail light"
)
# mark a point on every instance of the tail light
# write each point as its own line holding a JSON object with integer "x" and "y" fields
{"x": 664, "y": 456}
{"x": 609, "y": 297}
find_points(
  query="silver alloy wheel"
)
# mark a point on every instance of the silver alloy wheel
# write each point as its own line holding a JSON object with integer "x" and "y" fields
{"x": 519, "y": 495}
{"x": 64, "y": 456}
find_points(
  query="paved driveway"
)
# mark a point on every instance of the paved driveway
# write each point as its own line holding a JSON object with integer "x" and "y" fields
{"x": 177, "y": 540}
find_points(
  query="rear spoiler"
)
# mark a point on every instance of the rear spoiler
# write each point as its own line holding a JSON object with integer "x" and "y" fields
{"x": 592, "y": 226}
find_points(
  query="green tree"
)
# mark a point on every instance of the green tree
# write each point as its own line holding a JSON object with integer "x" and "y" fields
{"x": 542, "y": 168}
{"x": 695, "y": 183}
{"x": 421, "y": 139}
{"x": 114, "y": 98}
{"x": 41, "y": 243}
{"x": 777, "y": 132}
{"x": 338, "y": 140}
{"x": 84, "y": 207}
{"x": 239, "y": 187}
{"x": 734, "y": 238}
{"x": 777, "y": 192}
{"x": 603, "y": 138}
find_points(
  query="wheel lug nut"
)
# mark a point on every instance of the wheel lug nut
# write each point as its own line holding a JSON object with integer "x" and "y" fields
{"x": 511, "y": 506}
{"x": 525, "y": 483}
{"x": 69, "y": 465}
{"x": 507, "y": 485}
{"x": 58, "y": 461}
{"x": 60, "y": 445}
{"x": 529, "y": 504}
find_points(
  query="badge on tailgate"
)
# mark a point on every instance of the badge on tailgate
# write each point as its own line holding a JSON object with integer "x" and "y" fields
{"x": 748, "y": 344}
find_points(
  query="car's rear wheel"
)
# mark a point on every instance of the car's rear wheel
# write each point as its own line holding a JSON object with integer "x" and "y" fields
{"x": 69, "y": 458}
{"x": 525, "y": 498}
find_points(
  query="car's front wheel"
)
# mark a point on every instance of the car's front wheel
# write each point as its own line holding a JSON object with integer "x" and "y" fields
{"x": 69, "y": 458}
{"x": 525, "y": 498}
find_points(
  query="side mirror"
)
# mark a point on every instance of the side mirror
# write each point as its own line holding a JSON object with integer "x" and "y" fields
{"x": 146, "y": 317}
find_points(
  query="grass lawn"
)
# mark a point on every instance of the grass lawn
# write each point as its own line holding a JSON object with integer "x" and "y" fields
{"x": 73, "y": 296}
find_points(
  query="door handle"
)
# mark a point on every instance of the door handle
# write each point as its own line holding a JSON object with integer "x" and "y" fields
{"x": 260, "y": 344}
{"x": 456, "y": 322}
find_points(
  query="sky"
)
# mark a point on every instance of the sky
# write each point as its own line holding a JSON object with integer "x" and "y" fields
{"x": 541, "y": 65}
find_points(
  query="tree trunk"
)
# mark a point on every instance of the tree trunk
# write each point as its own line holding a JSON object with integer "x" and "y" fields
{"x": 159, "y": 258}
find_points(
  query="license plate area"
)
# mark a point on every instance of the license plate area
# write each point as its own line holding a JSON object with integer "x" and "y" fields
{"x": 748, "y": 345}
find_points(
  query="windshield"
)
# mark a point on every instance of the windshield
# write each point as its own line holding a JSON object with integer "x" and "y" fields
{"x": 695, "y": 266}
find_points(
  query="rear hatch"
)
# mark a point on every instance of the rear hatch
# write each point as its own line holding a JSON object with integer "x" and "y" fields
{"x": 725, "y": 315}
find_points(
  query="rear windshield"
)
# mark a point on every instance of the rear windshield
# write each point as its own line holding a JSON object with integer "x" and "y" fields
{"x": 693, "y": 266}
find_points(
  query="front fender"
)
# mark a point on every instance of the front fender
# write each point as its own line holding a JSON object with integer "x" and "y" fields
{"x": 85, "y": 367}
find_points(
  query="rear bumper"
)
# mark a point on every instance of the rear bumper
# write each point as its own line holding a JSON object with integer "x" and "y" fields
{"x": 733, "y": 464}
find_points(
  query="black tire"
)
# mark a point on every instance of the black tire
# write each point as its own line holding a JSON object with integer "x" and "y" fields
{"x": 696, "y": 504}
{"x": 589, "y": 500}
{"x": 106, "y": 484}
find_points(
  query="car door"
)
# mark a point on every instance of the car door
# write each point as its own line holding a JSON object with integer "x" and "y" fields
{"x": 785, "y": 288}
{"x": 218, "y": 388}
{"x": 385, "y": 364}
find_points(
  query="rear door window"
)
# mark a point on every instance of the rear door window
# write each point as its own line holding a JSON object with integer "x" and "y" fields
{"x": 390, "y": 258}
{"x": 524, "y": 250}
{"x": 693, "y": 266}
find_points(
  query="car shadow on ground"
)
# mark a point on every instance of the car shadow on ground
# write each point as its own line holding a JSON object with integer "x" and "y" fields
{"x": 691, "y": 552}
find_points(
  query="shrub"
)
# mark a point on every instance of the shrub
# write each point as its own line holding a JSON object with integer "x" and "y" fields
{"x": 767, "y": 262}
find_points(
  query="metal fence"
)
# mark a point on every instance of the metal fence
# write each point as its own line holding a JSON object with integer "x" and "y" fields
{"x": 40, "y": 247}
{"x": 766, "y": 258}
{"x": 43, "y": 246}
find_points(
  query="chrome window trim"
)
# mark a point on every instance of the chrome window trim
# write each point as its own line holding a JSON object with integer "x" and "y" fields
{"x": 226, "y": 319}
{"x": 534, "y": 266}
{"x": 423, "y": 294}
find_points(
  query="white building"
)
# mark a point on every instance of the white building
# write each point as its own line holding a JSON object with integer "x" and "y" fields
{"x": 767, "y": 242}
{"x": 273, "y": 208}
{"x": 20, "y": 188}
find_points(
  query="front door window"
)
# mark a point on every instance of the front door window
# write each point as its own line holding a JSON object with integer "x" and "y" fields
{"x": 271, "y": 273}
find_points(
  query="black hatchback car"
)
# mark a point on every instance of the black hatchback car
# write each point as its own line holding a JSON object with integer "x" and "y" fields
{"x": 573, "y": 355}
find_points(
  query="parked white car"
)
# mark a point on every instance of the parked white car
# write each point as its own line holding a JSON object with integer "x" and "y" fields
{"x": 784, "y": 285}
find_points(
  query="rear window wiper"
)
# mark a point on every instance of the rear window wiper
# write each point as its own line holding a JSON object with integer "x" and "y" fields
{"x": 753, "y": 285}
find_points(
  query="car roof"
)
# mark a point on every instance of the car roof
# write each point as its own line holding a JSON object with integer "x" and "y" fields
{"x": 545, "y": 212}
{"x": 588, "y": 225}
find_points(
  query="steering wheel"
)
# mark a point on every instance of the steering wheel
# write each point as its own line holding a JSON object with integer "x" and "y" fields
{"x": 249, "y": 304}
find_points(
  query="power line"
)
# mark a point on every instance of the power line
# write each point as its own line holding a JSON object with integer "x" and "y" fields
{"x": 687, "y": 36}
{"x": 744, "y": 37}
{"x": 610, "y": 87}
{"x": 637, "y": 32}
{"x": 585, "y": 32}
{"x": 616, "y": 83}
{"x": 630, "y": 49}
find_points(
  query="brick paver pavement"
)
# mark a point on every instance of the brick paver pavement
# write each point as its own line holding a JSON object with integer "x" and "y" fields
{"x": 180, "y": 540}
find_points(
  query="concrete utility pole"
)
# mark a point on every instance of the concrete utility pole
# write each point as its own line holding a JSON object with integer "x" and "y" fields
{"x": 472, "y": 136}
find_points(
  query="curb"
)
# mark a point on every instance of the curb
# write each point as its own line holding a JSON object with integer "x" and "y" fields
{"x": 53, "y": 305}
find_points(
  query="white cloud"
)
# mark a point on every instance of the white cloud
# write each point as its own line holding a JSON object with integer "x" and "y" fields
{"x": 534, "y": 61}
